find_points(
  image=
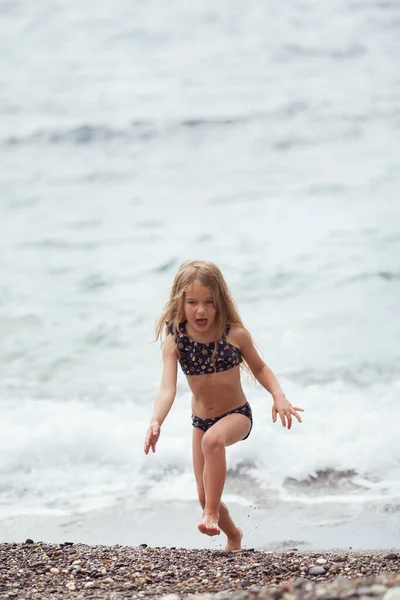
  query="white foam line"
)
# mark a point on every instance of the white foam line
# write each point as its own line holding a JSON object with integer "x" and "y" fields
{"x": 338, "y": 499}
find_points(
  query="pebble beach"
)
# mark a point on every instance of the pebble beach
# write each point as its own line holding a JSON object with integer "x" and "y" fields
{"x": 40, "y": 570}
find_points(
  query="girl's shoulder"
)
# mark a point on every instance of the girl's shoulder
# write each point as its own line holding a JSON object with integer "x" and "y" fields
{"x": 238, "y": 335}
{"x": 175, "y": 331}
{"x": 169, "y": 346}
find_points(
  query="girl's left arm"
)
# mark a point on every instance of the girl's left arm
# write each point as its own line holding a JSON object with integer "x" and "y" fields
{"x": 266, "y": 377}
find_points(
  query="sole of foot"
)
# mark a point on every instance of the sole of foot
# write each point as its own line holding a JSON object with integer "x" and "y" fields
{"x": 210, "y": 530}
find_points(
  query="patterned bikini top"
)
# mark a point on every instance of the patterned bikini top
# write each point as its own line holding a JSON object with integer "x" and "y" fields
{"x": 195, "y": 357}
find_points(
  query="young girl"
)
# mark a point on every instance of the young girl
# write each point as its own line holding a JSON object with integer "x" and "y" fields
{"x": 205, "y": 334}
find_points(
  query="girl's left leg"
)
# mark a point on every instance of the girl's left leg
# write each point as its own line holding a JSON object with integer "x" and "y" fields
{"x": 225, "y": 432}
{"x": 233, "y": 533}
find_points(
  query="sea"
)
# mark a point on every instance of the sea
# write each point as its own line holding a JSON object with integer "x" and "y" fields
{"x": 263, "y": 136}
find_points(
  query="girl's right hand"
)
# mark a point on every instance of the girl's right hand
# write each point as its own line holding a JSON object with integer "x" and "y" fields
{"x": 153, "y": 433}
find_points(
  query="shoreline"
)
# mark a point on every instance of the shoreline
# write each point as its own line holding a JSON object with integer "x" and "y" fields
{"x": 166, "y": 524}
{"x": 42, "y": 570}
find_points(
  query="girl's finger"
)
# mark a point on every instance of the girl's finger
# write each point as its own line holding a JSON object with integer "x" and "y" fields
{"x": 293, "y": 411}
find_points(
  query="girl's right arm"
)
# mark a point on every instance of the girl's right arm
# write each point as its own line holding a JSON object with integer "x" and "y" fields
{"x": 166, "y": 394}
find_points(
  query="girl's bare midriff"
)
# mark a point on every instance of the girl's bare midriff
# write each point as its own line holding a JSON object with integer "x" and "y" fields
{"x": 216, "y": 393}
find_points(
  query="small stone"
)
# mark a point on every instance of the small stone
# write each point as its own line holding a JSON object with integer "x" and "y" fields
{"x": 367, "y": 591}
{"x": 143, "y": 546}
{"x": 71, "y": 586}
{"x": 37, "y": 564}
{"x": 54, "y": 570}
{"x": 170, "y": 597}
{"x": 89, "y": 584}
{"x": 377, "y": 589}
{"x": 392, "y": 594}
{"x": 321, "y": 561}
{"x": 29, "y": 541}
{"x": 391, "y": 556}
{"x": 316, "y": 570}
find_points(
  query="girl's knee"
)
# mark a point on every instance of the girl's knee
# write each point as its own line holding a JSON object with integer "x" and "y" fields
{"x": 212, "y": 441}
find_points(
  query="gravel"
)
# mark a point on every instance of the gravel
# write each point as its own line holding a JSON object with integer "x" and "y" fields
{"x": 50, "y": 571}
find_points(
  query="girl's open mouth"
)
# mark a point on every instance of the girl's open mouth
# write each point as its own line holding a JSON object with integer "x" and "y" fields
{"x": 201, "y": 322}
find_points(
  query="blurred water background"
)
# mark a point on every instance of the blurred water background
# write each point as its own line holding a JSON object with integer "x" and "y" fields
{"x": 261, "y": 136}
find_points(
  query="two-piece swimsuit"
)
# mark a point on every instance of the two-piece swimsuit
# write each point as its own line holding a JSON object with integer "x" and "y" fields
{"x": 195, "y": 359}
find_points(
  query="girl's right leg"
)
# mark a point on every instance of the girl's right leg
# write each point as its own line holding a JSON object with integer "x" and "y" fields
{"x": 233, "y": 533}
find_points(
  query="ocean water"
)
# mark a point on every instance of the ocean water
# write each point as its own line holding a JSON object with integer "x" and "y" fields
{"x": 263, "y": 137}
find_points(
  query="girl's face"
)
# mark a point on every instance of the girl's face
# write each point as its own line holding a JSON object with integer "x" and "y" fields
{"x": 199, "y": 307}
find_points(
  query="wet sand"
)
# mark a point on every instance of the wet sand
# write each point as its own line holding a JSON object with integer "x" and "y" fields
{"x": 39, "y": 570}
{"x": 276, "y": 527}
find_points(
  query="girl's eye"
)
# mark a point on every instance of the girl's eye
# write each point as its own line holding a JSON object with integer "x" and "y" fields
{"x": 191, "y": 302}
{"x": 210, "y": 301}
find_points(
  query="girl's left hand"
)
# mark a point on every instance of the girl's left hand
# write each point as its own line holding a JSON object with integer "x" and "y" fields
{"x": 285, "y": 410}
{"x": 153, "y": 433}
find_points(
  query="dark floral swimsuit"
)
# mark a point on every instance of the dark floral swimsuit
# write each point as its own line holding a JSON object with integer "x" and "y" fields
{"x": 195, "y": 359}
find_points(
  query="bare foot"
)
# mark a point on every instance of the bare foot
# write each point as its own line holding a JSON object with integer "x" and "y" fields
{"x": 235, "y": 541}
{"x": 209, "y": 524}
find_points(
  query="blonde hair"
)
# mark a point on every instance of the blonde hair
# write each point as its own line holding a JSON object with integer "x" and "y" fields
{"x": 209, "y": 275}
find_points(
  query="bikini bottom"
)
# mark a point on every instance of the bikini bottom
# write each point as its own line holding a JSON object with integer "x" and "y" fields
{"x": 205, "y": 424}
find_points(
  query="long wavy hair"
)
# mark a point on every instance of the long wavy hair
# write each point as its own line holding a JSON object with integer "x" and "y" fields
{"x": 209, "y": 275}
